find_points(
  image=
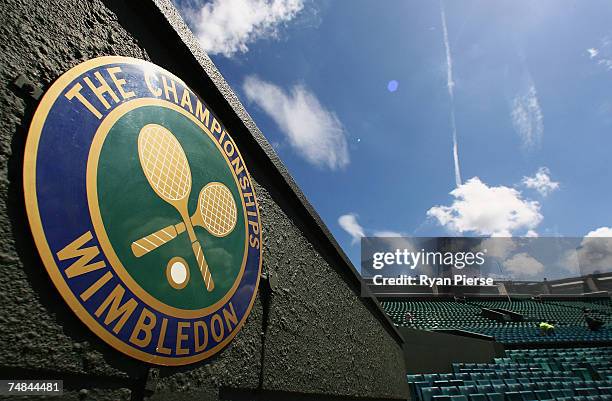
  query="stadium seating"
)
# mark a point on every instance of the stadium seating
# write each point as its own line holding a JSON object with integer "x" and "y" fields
{"x": 567, "y": 316}
{"x": 559, "y": 374}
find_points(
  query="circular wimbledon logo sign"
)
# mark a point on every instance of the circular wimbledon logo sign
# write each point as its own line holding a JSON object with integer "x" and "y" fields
{"x": 143, "y": 211}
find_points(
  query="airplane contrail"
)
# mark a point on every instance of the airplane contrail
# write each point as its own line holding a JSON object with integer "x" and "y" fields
{"x": 451, "y": 93}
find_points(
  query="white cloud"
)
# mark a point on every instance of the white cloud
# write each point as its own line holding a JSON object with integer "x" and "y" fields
{"x": 483, "y": 210}
{"x": 606, "y": 63}
{"x": 541, "y": 182}
{"x": 349, "y": 223}
{"x": 523, "y": 265}
{"x": 603, "y": 54}
{"x": 600, "y": 232}
{"x": 228, "y": 26}
{"x": 569, "y": 261}
{"x": 527, "y": 117}
{"x": 498, "y": 247}
{"x": 593, "y": 255}
{"x": 595, "y": 251}
{"x": 386, "y": 233}
{"x": 532, "y": 234}
{"x": 314, "y": 132}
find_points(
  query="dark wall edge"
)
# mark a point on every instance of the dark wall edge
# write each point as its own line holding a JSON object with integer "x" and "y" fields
{"x": 280, "y": 175}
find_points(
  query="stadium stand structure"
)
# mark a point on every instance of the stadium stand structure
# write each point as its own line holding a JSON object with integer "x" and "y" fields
{"x": 471, "y": 315}
{"x": 574, "y": 363}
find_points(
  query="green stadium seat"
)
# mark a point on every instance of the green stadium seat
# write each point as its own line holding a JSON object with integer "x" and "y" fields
{"x": 605, "y": 390}
{"x": 414, "y": 378}
{"x": 495, "y": 397}
{"x": 528, "y": 395}
{"x": 542, "y": 394}
{"x": 543, "y": 385}
{"x": 478, "y": 397}
{"x": 430, "y": 377}
{"x": 567, "y": 392}
{"x": 427, "y": 393}
{"x": 449, "y": 391}
{"x": 586, "y": 391}
{"x": 529, "y": 386}
{"x": 484, "y": 388}
{"x": 499, "y": 388}
{"x": 467, "y": 390}
{"x": 513, "y": 396}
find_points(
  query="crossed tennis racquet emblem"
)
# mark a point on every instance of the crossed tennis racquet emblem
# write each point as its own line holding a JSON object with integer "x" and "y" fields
{"x": 165, "y": 165}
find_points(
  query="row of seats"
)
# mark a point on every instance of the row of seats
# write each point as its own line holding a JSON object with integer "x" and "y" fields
{"x": 568, "y": 317}
{"x": 523, "y": 396}
{"x": 437, "y": 394}
{"x": 523, "y": 375}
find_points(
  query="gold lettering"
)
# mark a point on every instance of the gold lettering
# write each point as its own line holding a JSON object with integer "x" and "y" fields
{"x": 119, "y": 82}
{"x": 216, "y": 127}
{"x": 180, "y": 337}
{"x": 169, "y": 89}
{"x": 186, "y": 100}
{"x": 200, "y": 346}
{"x": 155, "y": 90}
{"x": 84, "y": 255}
{"x": 99, "y": 91}
{"x": 75, "y": 91}
{"x": 230, "y": 317}
{"x": 238, "y": 168}
{"x": 205, "y": 118}
{"x": 229, "y": 150}
{"x": 162, "y": 336}
{"x": 85, "y": 295}
{"x": 255, "y": 226}
{"x": 250, "y": 200}
{"x": 217, "y": 336}
{"x": 115, "y": 311}
{"x": 142, "y": 327}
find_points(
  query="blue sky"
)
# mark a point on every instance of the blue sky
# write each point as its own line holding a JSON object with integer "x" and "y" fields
{"x": 527, "y": 81}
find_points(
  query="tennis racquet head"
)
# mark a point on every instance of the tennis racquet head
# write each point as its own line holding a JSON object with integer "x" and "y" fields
{"x": 164, "y": 163}
{"x": 217, "y": 209}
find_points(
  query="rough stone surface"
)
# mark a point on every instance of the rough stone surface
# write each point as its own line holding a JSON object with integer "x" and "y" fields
{"x": 320, "y": 336}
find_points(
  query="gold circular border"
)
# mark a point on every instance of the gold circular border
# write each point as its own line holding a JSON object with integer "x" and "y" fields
{"x": 96, "y": 217}
{"x": 173, "y": 283}
{"x": 31, "y": 203}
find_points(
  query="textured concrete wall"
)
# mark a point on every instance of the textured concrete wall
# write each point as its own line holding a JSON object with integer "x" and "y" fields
{"x": 320, "y": 337}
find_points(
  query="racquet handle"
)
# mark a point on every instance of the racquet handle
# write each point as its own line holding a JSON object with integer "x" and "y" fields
{"x": 153, "y": 241}
{"x": 199, "y": 255}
